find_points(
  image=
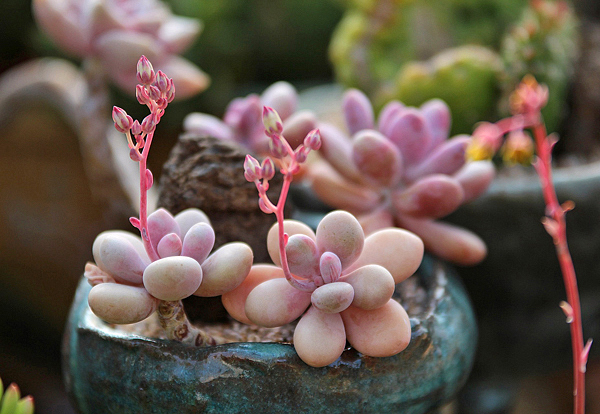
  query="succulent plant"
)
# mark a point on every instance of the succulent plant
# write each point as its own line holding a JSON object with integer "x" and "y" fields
{"x": 133, "y": 277}
{"x": 339, "y": 284}
{"x": 11, "y": 401}
{"x": 402, "y": 171}
{"x": 113, "y": 34}
{"x": 242, "y": 121}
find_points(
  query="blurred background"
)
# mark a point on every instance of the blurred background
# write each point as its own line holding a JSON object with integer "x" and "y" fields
{"x": 49, "y": 209}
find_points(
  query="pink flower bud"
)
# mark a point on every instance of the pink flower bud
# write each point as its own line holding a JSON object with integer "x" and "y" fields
{"x": 170, "y": 95}
{"x": 301, "y": 153}
{"x": 272, "y": 121}
{"x": 277, "y": 147}
{"x": 134, "y": 155}
{"x": 313, "y": 140}
{"x": 123, "y": 122}
{"x": 142, "y": 95}
{"x": 252, "y": 169}
{"x": 149, "y": 124}
{"x": 145, "y": 73}
{"x": 162, "y": 82}
{"x": 154, "y": 93}
{"x": 136, "y": 128}
{"x": 162, "y": 103}
{"x": 518, "y": 148}
{"x": 268, "y": 169}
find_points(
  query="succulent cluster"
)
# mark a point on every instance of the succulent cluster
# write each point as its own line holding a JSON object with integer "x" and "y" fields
{"x": 337, "y": 282}
{"x": 242, "y": 121}
{"x": 11, "y": 401}
{"x": 402, "y": 170}
{"x": 114, "y": 33}
{"x": 128, "y": 285}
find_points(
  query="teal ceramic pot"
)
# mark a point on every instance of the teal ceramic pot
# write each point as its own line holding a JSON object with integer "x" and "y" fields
{"x": 517, "y": 289}
{"x": 108, "y": 371}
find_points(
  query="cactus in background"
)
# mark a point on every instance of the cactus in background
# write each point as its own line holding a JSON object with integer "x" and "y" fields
{"x": 418, "y": 50}
{"x": 242, "y": 121}
{"x": 134, "y": 277}
{"x": 542, "y": 44}
{"x": 337, "y": 282}
{"x": 11, "y": 401}
{"x": 402, "y": 171}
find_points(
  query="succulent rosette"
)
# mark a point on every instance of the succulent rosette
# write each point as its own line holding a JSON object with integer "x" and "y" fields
{"x": 243, "y": 123}
{"x": 116, "y": 33}
{"x": 402, "y": 171}
{"x": 348, "y": 282}
{"x": 127, "y": 285}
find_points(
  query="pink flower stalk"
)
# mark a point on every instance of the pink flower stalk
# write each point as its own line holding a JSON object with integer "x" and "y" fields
{"x": 116, "y": 32}
{"x": 242, "y": 121}
{"x": 403, "y": 171}
{"x": 527, "y": 102}
{"x": 339, "y": 284}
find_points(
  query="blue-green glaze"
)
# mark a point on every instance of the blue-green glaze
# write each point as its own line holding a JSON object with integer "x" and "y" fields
{"x": 110, "y": 372}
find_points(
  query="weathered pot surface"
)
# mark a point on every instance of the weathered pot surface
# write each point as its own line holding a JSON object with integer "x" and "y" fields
{"x": 517, "y": 288}
{"x": 110, "y": 371}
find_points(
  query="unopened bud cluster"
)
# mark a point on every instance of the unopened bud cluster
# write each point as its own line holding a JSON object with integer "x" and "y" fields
{"x": 156, "y": 91}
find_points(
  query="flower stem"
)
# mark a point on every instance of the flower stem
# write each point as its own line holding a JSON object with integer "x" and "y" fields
{"x": 557, "y": 213}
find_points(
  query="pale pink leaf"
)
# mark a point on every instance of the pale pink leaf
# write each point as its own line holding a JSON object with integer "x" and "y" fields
{"x": 433, "y": 196}
{"x": 276, "y": 303}
{"x": 319, "y": 337}
{"x": 340, "y": 232}
{"x": 225, "y": 269}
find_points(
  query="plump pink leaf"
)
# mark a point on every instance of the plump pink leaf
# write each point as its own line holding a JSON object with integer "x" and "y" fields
{"x": 225, "y": 269}
{"x": 475, "y": 177}
{"x": 375, "y": 220}
{"x": 336, "y": 148}
{"x": 134, "y": 239}
{"x": 187, "y": 77}
{"x": 377, "y": 158}
{"x": 433, "y": 196}
{"x": 121, "y": 304}
{"x": 390, "y": 111}
{"x": 334, "y": 190}
{"x": 410, "y": 133}
{"x": 190, "y": 216}
{"x": 117, "y": 256}
{"x": 198, "y": 242}
{"x": 161, "y": 223}
{"x": 447, "y": 159}
{"x": 399, "y": 251}
{"x": 319, "y": 337}
{"x": 178, "y": 33}
{"x": 207, "y": 125}
{"x": 282, "y": 97}
{"x": 330, "y": 267}
{"x": 169, "y": 245}
{"x": 297, "y": 126}
{"x": 333, "y": 297}
{"x": 446, "y": 241}
{"x": 380, "y": 332}
{"x": 438, "y": 117}
{"x": 173, "y": 278}
{"x": 373, "y": 286}
{"x": 275, "y": 303}
{"x": 234, "y": 301}
{"x": 290, "y": 227}
{"x": 357, "y": 111}
{"x": 302, "y": 255}
{"x": 339, "y": 232}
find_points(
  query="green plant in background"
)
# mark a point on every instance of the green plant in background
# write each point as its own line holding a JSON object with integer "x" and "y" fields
{"x": 11, "y": 401}
{"x": 455, "y": 50}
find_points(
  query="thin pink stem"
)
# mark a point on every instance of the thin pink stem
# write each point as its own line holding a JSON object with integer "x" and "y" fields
{"x": 557, "y": 213}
